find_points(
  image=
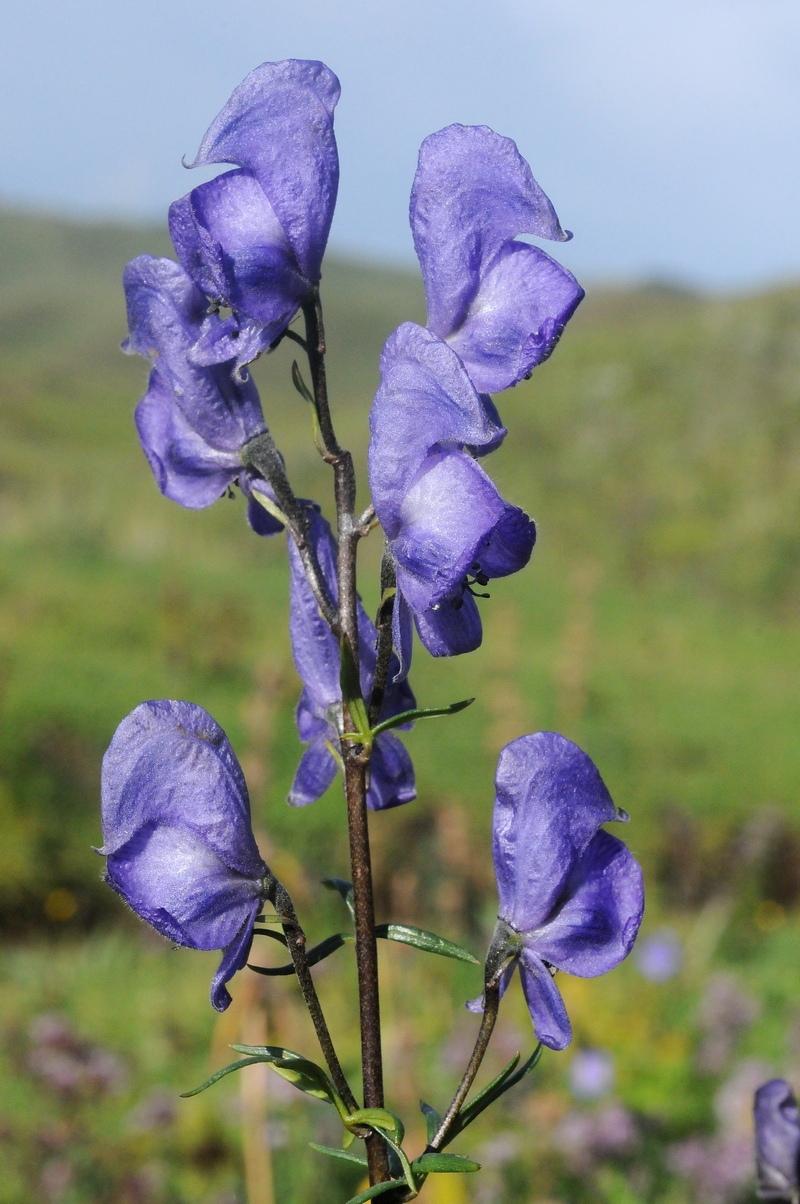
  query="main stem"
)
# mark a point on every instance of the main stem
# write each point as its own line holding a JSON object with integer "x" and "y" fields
{"x": 355, "y": 770}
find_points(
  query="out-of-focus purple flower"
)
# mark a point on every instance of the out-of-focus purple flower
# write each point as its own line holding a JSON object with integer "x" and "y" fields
{"x": 659, "y": 957}
{"x": 69, "y": 1065}
{"x": 319, "y": 711}
{"x": 777, "y": 1141}
{"x": 500, "y": 303}
{"x": 571, "y": 892}
{"x": 448, "y": 527}
{"x": 253, "y": 238}
{"x": 586, "y": 1138}
{"x": 591, "y": 1074}
{"x": 725, "y": 1010}
{"x": 177, "y": 835}
{"x": 717, "y": 1168}
{"x": 193, "y": 421}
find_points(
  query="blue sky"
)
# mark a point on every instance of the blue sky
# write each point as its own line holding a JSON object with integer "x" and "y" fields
{"x": 666, "y": 132}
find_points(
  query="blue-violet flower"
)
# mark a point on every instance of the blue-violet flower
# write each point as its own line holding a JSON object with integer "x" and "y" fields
{"x": 777, "y": 1141}
{"x": 319, "y": 711}
{"x": 571, "y": 892}
{"x": 177, "y": 835}
{"x": 500, "y": 303}
{"x": 253, "y": 238}
{"x": 448, "y": 527}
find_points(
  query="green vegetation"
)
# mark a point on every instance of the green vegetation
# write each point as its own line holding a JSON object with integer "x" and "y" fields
{"x": 659, "y": 451}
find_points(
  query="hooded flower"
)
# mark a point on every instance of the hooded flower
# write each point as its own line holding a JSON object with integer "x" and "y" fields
{"x": 253, "y": 238}
{"x": 176, "y": 832}
{"x": 571, "y": 893}
{"x": 319, "y": 711}
{"x": 777, "y": 1141}
{"x": 448, "y": 527}
{"x": 193, "y": 422}
{"x": 500, "y": 303}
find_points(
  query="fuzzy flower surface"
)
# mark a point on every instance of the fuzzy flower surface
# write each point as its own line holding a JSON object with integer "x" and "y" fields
{"x": 253, "y": 238}
{"x": 193, "y": 421}
{"x": 570, "y": 892}
{"x": 319, "y": 711}
{"x": 177, "y": 834}
{"x": 502, "y": 304}
{"x": 777, "y": 1141}
{"x": 448, "y": 528}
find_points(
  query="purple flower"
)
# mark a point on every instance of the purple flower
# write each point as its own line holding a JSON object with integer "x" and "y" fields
{"x": 660, "y": 956}
{"x": 591, "y": 1074}
{"x": 193, "y": 421}
{"x": 319, "y": 711}
{"x": 176, "y": 832}
{"x": 777, "y": 1141}
{"x": 500, "y": 303}
{"x": 448, "y": 527}
{"x": 571, "y": 893}
{"x": 253, "y": 239}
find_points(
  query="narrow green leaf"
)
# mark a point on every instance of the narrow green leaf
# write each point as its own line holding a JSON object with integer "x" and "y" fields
{"x": 300, "y": 384}
{"x": 379, "y": 1118}
{"x": 317, "y": 953}
{"x": 221, "y": 1075}
{"x": 345, "y": 889}
{"x": 377, "y": 1190}
{"x": 504, "y": 1081}
{"x": 432, "y": 1119}
{"x": 407, "y": 934}
{"x": 271, "y": 507}
{"x": 351, "y": 690}
{"x": 306, "y": 1076}
{"x": 421, "y": 713}
{"x": 443, "y": 1164}
{"x": 276, "y": 936}
{"x": 344, "y": 1155}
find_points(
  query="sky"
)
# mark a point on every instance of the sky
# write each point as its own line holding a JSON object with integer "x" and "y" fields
{"x": 666, "y": 132}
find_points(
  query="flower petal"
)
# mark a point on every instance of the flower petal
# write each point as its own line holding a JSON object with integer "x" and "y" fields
{"x": 172, "y": 878}
{"x": 777, "y": 1141}
{"x": 260, "y": 519}
{"x": 524, "y": 302}
{"x": 315, "y": 773}
{"x": 550, "y": 1020}
{"x": 594, "y": 925}
{"x": 314, "y": 647}
{"x": 447, "y": 520}
{"x": 473, "y": 192}
{"x": 425, "y": 401}
{"x": 402, "y": 636}
{"x": 171, "y": 763}
{"x": 278, "y": 125}
{"x": 550, "y": 801}
{"x": 186, "y": 469}
{"x": 231, "y": 243}
{"x": 450, "y": 630}
{"x": 391, "y": 774}
{"x": 234, "y": 958}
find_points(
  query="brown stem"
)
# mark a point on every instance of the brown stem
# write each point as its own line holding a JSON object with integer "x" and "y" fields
{"x": 296, "y": 943}
{"x": 491, "y": 1004}
{"x": 355, "y": 770}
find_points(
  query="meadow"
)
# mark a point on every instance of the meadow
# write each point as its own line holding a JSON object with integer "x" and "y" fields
{"x": 657, "y": 625}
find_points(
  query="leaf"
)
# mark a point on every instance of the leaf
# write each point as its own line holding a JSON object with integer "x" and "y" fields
{"x": 377, "y": 1190}
{"x": 300, "y": 384}
{"x": 406, "y": 1165}
{"x": 344, "y": 1155}
{"x": 316, "y": 954}
{"x": 221, "y": 1075}
{"x": 443, "y": 1164}
{"x": 271, "y": 507}
{"x": 432, "y": 1119}
{"x": 351, "y": 690}
{"x": 407, "y": 934}
{"x": 345, "y": 889}
{"x": 276, "y": 936}
{"x": 504, "y": 1081}
{"x": 420, "y": 713}
{"x": 379, "y": 1118}
{"x": 297, "y": 1070}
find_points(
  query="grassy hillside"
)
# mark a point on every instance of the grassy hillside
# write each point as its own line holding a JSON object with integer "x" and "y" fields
{"x": 659, "y": 450}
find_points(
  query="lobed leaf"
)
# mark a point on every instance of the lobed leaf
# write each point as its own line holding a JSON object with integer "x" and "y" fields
{"x": 297, "y": 1070}
{"x": 221, "y": 1075}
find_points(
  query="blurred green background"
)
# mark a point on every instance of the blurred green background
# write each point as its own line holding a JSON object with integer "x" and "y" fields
{"x": 659, "y": 451}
